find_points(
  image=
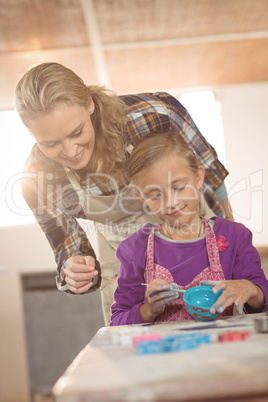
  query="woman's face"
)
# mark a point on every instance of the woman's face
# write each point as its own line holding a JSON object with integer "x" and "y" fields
{"x": 66, "y": 134}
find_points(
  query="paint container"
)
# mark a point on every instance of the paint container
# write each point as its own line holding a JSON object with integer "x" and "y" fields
{"x": 145, "y": 338}
{"x": 261, "y": 323}
{"x": 173, "y": 343}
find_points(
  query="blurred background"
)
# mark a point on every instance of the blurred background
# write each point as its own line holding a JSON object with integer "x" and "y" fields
{"x": 210, "y": 54}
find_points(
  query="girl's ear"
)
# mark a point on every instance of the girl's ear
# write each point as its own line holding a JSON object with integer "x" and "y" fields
{"x": 200, "y": 176}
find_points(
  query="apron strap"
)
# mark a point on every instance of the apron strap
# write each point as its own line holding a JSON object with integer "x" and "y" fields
{"x": 77, "y": 187}
{"x": 150, "y": 248}
{"x": 212, "y": 249}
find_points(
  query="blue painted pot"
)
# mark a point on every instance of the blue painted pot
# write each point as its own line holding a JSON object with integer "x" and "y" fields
{"x": 198, "y": 301}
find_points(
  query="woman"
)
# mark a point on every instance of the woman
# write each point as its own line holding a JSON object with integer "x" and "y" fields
{"x": 84, "y": 136}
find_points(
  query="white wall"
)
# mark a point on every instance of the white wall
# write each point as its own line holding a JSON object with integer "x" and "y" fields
{"x": 26, "y": 249}
{"x": 245, "y": 123}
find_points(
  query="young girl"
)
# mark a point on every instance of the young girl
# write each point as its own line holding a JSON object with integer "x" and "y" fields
{"x": 184, "y": 250}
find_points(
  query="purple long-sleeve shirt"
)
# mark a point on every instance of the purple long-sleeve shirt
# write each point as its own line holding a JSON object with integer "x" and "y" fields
{"x": 185, "y": 260}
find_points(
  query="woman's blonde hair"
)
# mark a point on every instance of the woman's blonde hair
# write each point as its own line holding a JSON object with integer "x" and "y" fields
{"x": 45, "y": 86}
{"x": 152, "y": 148}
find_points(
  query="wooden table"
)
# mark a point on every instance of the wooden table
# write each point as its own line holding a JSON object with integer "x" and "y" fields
{"x": 109, "y": 369}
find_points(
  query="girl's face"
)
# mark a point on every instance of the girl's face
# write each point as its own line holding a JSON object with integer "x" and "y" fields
{"x": 171, "y": 191}
{"x": 66, "y": 134}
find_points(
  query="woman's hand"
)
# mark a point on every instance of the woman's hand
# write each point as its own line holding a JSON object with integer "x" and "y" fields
{"x": 79, "y": 273}
{"x": 238, "y": 292}
{"x": 158, "y": 294}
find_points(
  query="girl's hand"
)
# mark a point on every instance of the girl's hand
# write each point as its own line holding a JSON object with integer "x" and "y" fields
{"x": 158, "y": 294}
{"x": 238, "y": 292}
{"x": 79, "y": 273}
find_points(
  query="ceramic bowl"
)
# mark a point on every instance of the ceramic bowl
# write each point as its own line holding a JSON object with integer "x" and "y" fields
{"x": 198, "y": 300}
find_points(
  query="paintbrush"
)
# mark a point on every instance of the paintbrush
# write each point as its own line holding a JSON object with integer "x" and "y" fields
{"x": 175, "y": 290}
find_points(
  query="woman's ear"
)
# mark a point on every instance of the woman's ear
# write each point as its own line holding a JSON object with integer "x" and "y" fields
{"x": 91, "y": 106}
{"x": 200, "y": 176}
{"x": 140, "y": 196}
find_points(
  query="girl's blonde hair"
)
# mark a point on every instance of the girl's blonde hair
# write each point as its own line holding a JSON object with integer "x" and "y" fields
{"x": 47, "y": 85}
{"x": 152, "y": 148}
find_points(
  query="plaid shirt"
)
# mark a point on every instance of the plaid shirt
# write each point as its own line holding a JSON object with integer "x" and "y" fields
{"x": 55, "y": 203}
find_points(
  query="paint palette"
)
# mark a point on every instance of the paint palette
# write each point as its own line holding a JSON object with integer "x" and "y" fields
{"x": 198, "y": 301}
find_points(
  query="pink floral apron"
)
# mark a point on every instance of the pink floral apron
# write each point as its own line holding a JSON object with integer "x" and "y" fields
{"x": 176, "y": 309}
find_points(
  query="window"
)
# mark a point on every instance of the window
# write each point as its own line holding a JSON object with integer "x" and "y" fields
{"x": 206, "y": 113}
{"x": 16, "y": 146}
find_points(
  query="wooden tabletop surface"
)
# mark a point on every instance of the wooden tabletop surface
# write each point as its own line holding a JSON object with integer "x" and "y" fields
{"x": 109, "y": 368}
